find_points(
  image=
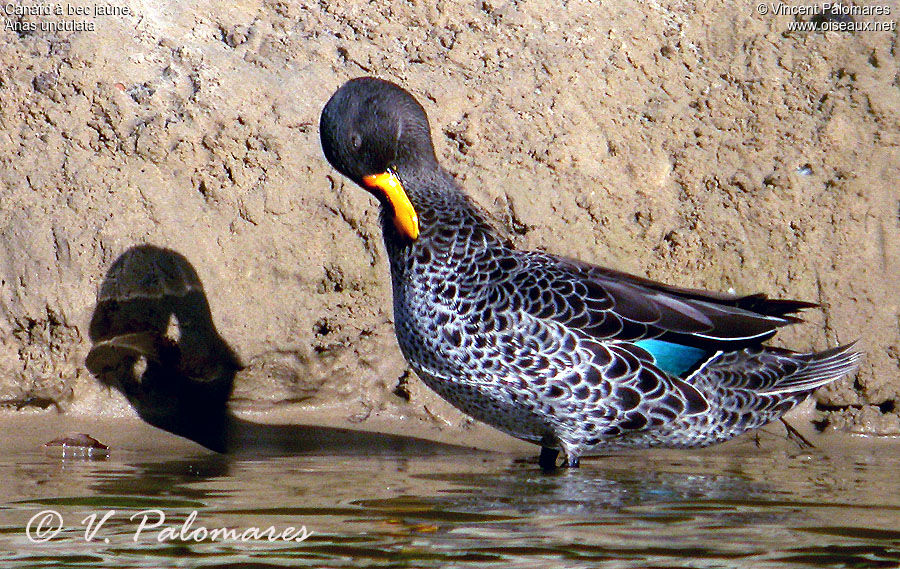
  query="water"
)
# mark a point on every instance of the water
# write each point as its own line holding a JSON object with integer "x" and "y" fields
{"x": 453, "y": 508}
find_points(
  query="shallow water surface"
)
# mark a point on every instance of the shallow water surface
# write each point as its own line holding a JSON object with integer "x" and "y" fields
{"x": 752, "y": 508}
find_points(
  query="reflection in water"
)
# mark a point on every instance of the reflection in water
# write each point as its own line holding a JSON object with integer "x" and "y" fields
{"x": 596, "y": 493}
{"x": 154, "y": 339}
{"x": 468, "y": 511}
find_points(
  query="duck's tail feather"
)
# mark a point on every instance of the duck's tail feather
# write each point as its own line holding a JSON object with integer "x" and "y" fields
{"x": 817, "y": 369}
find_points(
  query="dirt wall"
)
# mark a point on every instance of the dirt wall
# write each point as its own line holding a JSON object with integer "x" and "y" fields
{"x": 699, "y": 143}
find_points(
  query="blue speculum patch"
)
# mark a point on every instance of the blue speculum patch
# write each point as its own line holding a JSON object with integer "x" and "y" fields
{"x": 672, "y": 358}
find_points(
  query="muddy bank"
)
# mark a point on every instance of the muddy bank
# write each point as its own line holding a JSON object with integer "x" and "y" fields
{"x": 697, "y": 143}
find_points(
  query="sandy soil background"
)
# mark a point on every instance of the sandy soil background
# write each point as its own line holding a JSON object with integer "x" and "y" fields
{"x": 699, "y": 143}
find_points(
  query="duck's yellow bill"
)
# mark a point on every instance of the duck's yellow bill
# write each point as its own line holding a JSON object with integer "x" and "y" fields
{"x": 406, "y": 220}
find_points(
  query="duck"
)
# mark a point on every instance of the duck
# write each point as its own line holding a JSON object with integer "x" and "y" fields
{"x": 574, "y": 357}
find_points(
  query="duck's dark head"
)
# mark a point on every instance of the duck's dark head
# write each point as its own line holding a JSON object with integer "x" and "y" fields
{"x": 377, "y": 134}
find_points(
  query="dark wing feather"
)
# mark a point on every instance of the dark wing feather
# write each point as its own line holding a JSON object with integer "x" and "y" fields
{"x": 758, "y": 303}
{"x": 608, "y": 304}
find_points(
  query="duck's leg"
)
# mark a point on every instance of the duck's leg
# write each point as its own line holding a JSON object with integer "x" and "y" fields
{"x": 547, "y": 461}
{"x": 795, "y": 435}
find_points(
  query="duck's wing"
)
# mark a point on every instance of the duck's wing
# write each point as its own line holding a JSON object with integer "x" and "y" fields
{"x": 611, "y": 305}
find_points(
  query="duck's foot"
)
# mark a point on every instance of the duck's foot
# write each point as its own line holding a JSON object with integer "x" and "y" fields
{"x": 547, "y": 461}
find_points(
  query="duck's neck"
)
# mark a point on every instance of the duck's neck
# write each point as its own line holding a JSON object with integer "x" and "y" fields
{"x": 451, "y": 227}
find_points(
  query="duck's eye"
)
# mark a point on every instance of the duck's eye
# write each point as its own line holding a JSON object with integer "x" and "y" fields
{"x": 355, "y": 141}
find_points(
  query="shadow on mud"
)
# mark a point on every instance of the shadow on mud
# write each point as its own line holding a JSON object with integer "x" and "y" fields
{"x": 154, "y": 340}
